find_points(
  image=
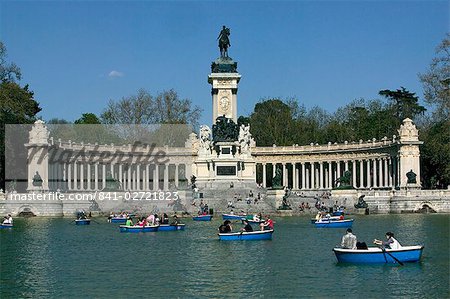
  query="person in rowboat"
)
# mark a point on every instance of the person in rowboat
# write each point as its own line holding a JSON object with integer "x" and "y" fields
{"x": 129, "y": 222}
{"x": 390, "y": 242}
{"x": 349, "y": 240}
{"x": 267, "y": 224}
{"x": 247, "y": 227}
{"x": 225, "y": 227}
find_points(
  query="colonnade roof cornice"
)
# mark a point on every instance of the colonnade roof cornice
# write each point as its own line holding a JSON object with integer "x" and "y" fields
{"x": 322, "y": 149}
{"x": 308, "y": 158}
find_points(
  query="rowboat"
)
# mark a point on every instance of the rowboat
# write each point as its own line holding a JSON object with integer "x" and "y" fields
{"x": 169, "y": 227}
{"x": 377, "y": 255}
{"x": 232, "y": 217}
{"x": 338, "y": 223}
{"x": 253, "y": 221}
{"x": 82, "y": 221}
{"x": 332, "y": 218}
{"x": 138, "y": 229}
{"x": 6, "y": 226}
{"x": 202, "y": 218}
{"x": 244, "y": 236}
{"x": 118, "y": 220}
{"x": 338, "y": 213}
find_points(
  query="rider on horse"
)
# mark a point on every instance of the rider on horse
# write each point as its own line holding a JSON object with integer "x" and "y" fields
{"x": 224, "y": 41}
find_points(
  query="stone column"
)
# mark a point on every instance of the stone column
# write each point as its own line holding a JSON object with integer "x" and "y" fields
{"x": 103, "y": 176}
{"x": 361, "y": 173}
{"x": 96, "y": 176}
{"x": 303, "y": 175}
{"x": 380, "y": 172}
{"x": 129, "y": 176}
{"x": 176, "y": 175}
{"x": 264, "y": 176}
{"x": 368, "y": 174}
{"x": 81, "y": 176}
{"x": 375, "y": 183}
{"x": 121, "y": 175}
{"x": 338, "y": 169}
{"x": 89, "y": 177}
{"x": 147, "y": 177}
{"x": 386, "y": 176}
{"x": 390, "y": 172}
{"x": 354, "y": 173}
{"x": 283, "y": 182}
{"x": 330, "y": 174}
{"x": 346, "y": 165}
{"x": 75, "y": 175}
{"x": 156, "y": 178}
{"x": 138, "y": 176}
{"x": 166, "y": 177}
{"x": 69, "y": 176}
{"x": 313, "y": 174}
{"x": 321, "y": 175}
{"x": 295, "y": 183}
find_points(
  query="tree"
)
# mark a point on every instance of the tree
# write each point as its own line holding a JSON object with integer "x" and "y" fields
{"x": 435, "y": 155}
{"x": 17, "y": 106}
{"x": 271, "y": 123}
{"x": 436, "y": 81}
{"x": 146, "y": 118}
{"x": 88, "y": 119}
{"x": 143, "y": 108}
{"x": 404, "y": 103}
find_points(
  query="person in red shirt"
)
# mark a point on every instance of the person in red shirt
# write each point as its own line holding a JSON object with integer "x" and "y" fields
{"x": 268, "y": 223}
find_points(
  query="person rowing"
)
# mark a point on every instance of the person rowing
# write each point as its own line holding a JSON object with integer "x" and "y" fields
{"x": 390, "y": 243}
{"x": 247, "y": 227}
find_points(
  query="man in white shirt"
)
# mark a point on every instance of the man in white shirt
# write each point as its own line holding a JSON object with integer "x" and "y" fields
{"x": 349, "y": 240}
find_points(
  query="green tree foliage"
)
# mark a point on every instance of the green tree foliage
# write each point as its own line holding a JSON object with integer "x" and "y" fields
{"x": 17, "y": 105}
{"x": 435, "y": 155}
{"x": 436, "y": 81}
{"x": 272, "y": 123}
{"x": 88, "y": 119}
{"x": 404, "y": 104}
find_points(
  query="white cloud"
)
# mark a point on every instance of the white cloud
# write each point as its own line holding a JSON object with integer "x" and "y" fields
{"x": 115, "y": 74}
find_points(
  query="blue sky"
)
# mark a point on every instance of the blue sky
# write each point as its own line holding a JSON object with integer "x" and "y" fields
{"x": 77, "y": 55}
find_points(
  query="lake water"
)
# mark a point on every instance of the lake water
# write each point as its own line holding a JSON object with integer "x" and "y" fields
{"x": 51, "y": 257}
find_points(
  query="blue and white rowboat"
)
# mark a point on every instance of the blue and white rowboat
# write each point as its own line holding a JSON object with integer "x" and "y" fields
{"x": 232, "y": 217}
{"x": 338, "y": 213}
{"x": 138, "y": 229}
{"x": 375, "y": 255}
{"x": 202, "y": 218}
{"x": 244, "y": 236}
{"x": 169, "y": 227}
{"x": 338, "y": 223}
{"x": 6, "y": 226}
{"x": 332, "y": 218}
{"x": 83, "y": 221}
{"x": 118, "y": 220}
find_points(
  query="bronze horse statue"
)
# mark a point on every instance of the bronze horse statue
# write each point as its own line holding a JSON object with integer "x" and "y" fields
{"x": 224, "y": 41}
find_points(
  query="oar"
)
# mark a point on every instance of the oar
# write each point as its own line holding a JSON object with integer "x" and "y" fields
{"x": 393, "y": 257}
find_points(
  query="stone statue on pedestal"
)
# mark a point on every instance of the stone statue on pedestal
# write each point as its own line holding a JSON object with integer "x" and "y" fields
{"x": 245, "y": 139}
{"x": 205, "y": 139}
{"x": 344, "y": 181}
{"x": 276, "y": 181}
{"x": 412, "y": 177}
{"x": 37, "y": 180}
{"x": 111, "y": 183}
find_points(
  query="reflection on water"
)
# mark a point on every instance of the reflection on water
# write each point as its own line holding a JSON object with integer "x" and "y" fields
{"x": 54, "y": 258}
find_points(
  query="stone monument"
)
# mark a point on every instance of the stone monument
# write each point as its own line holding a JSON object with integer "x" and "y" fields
{"x": 38, "y": 157}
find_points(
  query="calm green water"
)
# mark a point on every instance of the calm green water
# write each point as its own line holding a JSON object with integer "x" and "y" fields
{"x": 54, "y": 258}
